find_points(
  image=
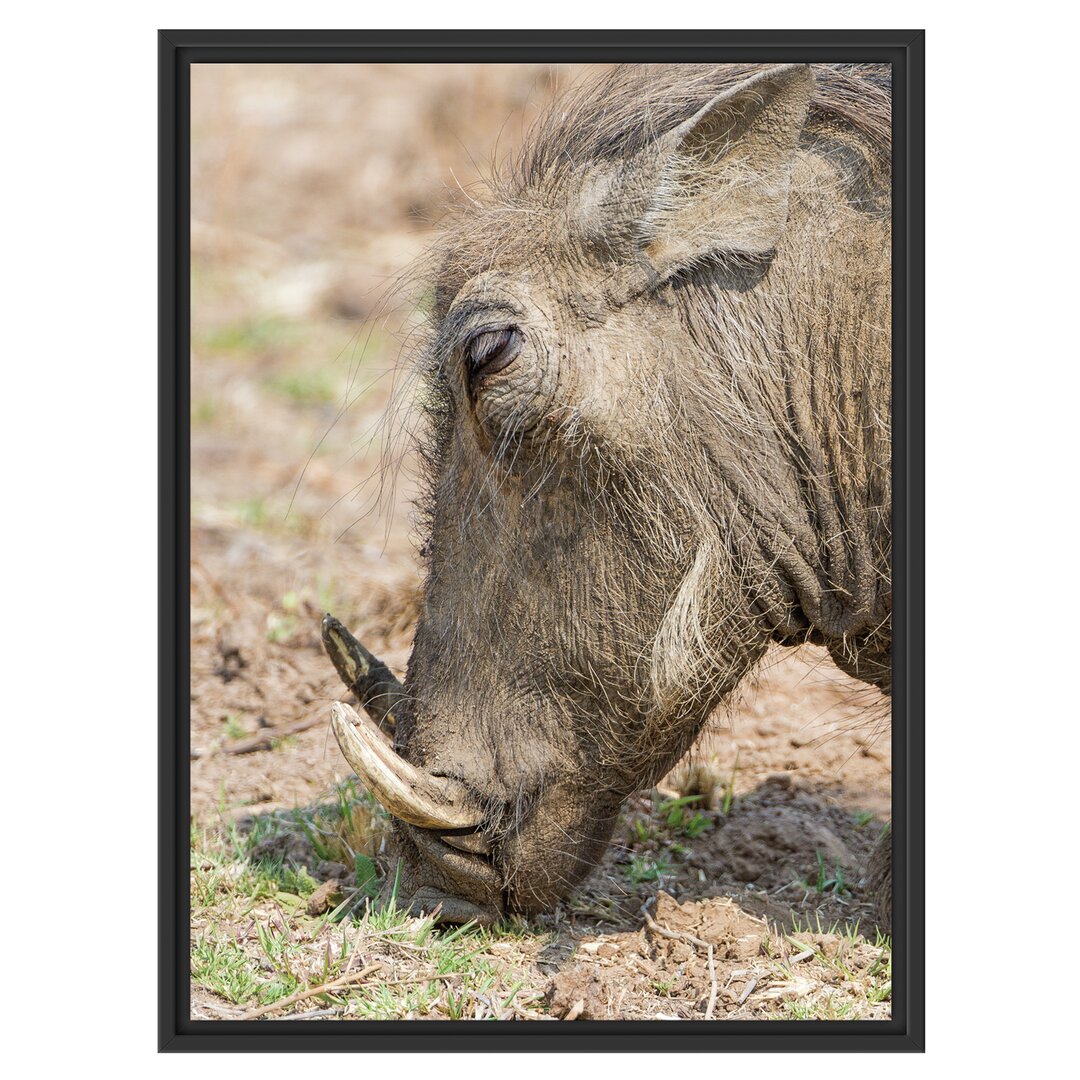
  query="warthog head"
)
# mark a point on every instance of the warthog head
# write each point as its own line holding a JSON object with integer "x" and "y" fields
{"x": 657, "y": 387}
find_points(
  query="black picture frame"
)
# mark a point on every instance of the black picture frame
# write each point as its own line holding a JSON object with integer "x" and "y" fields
{"x": 904, "y": 49}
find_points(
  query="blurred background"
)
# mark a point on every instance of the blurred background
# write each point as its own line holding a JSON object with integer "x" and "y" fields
{"x": 314, "y": 189}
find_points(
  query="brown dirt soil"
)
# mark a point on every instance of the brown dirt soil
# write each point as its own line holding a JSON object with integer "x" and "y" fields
{"x": 291, "y": 358}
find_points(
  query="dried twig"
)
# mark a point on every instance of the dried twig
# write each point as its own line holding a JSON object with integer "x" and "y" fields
{"x": 326, "y": 988}
{"x": 679, "y": 935}
{"x": 715, "y": 989}
{"x": 314, "y": 1014}
{"x": 663, "y": 931}
{"x": 313, "y": 991}
{"x": 265, "y": 739}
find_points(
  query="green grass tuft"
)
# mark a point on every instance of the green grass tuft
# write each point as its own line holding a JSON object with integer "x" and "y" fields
{"x": 304, "y": 387}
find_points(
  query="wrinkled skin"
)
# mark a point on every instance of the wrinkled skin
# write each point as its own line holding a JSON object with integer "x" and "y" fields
{"x": 658, "y": 394}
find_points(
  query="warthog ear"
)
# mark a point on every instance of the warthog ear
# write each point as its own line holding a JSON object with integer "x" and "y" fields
{"x": 724, "y": 174}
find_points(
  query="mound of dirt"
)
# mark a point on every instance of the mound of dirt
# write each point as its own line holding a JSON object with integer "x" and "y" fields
{"x": 580, "y": 993}
{"x": 712, "y": 959}
{"x": 767, "y": 842}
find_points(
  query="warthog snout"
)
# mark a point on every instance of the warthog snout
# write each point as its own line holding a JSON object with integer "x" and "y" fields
{"x": 654, "y": 392}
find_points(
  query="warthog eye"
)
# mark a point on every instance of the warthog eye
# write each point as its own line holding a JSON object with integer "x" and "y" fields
{"x": 489, "y": 351}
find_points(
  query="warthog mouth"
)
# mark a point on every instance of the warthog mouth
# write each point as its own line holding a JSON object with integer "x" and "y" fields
{"x": 447, "y": 823}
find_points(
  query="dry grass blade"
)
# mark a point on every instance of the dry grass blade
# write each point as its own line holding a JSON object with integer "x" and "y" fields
{"x": 313, "y": 991}
{"x": 413, "y": 979}
{"x": 714, "y": 989}
{"x": 575, "y": 1010}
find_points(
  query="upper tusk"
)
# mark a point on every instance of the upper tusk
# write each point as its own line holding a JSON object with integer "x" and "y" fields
{"x": 373, "y": 683}
{"x": 409, "y": 793}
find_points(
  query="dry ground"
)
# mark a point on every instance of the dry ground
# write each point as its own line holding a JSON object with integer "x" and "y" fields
{"x": 733, "y": 890}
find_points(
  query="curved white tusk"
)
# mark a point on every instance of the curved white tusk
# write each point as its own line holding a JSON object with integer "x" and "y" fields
{"x": 409, "y": 793}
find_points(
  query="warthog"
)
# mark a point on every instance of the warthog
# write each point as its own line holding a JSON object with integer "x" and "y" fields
{"x": 657, "y": 394}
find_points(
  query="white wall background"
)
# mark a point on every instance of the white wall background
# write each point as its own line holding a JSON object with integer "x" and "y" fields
{"x": 77, "y": 423}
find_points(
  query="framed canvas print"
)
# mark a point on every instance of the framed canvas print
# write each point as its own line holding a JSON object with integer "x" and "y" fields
{"x": 541, "y": 540}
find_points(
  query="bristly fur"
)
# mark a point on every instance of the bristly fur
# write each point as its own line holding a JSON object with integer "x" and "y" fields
{"x": 619, "y": 115}
{"x": 707, "y": 472}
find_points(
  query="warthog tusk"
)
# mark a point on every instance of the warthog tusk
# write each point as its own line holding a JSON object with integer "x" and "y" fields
{"x": 365, "y": 675}
{"x": 409, "y": 793}
{"x": 473, "y": 843}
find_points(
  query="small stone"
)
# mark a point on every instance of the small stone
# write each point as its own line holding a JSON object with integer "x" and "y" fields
{"x": 327, "y": 896}
{"x": 578, "y": 994}
{"x": 829, "y": 945}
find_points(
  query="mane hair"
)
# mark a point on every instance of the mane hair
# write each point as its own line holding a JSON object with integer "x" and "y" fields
{"x": 627, "y": 108}
{"x": 738, "y": 489}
